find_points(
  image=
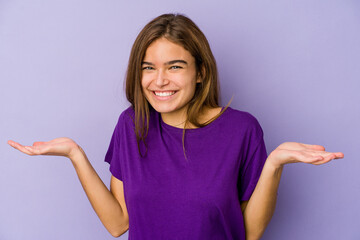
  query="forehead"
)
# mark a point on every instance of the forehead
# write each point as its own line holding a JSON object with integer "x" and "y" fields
{"x": 163, "y": 50}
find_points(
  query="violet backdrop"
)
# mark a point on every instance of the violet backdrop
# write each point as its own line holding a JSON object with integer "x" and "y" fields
{"x": 294, "y": 65}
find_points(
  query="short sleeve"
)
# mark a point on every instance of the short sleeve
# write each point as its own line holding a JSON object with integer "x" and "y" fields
{"x": 252, "y": 164}
{"x": 113, "y": 153}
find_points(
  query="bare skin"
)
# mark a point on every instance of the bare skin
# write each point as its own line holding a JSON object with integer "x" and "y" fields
{"x": 110, "y": 205}
{"x": 261, "y": 206}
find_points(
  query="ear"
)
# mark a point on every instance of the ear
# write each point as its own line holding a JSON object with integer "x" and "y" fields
{"x": 200, "y": 75}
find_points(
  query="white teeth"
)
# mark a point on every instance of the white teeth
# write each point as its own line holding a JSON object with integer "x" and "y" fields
{"x": 164, "y": 94}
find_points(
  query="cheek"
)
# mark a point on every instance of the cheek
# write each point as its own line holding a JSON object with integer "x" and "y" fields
{"x": 190, "y": 83}
{"x": 145, "y": 82}
{"x": 184, "y": 80}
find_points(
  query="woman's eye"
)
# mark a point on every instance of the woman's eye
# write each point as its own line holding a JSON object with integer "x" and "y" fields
{"x": 175, "y": 67}
{"x": 147, "y": 68}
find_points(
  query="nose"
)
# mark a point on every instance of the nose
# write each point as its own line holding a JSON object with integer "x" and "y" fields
{"x": 161, "y": 78}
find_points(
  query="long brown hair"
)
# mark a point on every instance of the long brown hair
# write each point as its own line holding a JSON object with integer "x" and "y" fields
{"x": 181, "y": 30}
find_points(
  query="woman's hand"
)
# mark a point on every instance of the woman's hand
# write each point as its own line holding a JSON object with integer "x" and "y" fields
{"x": 292, "y": 152}
{"x": 57, "y": 147}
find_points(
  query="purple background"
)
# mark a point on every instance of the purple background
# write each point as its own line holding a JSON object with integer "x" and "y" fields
{"x": 294, "y": 65}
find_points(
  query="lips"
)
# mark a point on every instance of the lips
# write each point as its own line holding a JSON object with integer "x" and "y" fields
{"x": 164, "y": 93}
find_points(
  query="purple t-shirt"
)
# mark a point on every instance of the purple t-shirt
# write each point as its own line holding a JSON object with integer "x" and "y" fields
{"x": 170, "y": 197}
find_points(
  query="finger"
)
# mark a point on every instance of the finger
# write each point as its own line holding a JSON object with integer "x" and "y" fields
{"x": 322, "y": 161}
{"x": 327, "y": 158}
{"x": 14, "y": 144}
{"x": 305, "y": 157}
{"x": 11, "y": 142}
{"x": 334, "y": 155}
{"x": 38, "y": 143}
{"x": 60, "y": 139}
{"x": 339, "y": 155}
{"x": 315, "y": 147}
{"x": 21, "y": 148}
{"x": 314, "y": 157}
{"x": 33, "y": 149}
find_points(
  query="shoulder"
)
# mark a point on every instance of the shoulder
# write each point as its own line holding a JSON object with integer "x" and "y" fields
{"x": 238, "y": 116}
{"x": 242, "y": 121}
{"x": 128, "y": 115}
{"x": 126, "y": 118}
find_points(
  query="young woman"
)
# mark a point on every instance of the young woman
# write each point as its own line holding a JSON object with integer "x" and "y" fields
{"x": 182, "y": 166}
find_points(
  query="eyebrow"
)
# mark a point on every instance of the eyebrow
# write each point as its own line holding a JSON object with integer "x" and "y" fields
{"x": 167, "y": 63}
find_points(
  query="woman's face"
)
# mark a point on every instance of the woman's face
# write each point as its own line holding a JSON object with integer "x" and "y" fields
{"x": 168, "y": 77}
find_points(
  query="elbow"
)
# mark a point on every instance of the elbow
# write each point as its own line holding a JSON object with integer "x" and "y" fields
{"x": 119, "y": 230}
{"x": 116, "y": 234}
{"x": 255, "y": 235}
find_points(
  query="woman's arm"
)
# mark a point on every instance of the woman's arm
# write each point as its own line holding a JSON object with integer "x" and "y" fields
{"x": 108, "y": 205}
{"x": 261, "y": 205}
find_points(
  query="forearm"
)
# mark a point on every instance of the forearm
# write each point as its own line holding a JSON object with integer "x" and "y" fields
{"x": 102, "y": 200}
{"x": 261, "y": 205}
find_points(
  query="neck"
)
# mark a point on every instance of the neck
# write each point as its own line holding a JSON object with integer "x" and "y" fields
{"x": 178, "y": 119}
{"x": 175, "y": 119}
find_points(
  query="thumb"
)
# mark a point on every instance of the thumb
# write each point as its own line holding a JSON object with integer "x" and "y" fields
{"x": 315, "y": 147}
{"x": 38, "y": 143}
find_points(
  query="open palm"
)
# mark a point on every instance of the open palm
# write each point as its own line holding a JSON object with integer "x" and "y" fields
{"x": 57, "y": 147}
{"x": 292, "y": 152}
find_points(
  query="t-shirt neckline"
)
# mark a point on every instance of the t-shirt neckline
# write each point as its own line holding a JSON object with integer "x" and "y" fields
{"x": 175, "y": 129}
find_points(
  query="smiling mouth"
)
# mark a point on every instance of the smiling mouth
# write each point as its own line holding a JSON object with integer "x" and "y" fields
{"x": 164, "y": 94}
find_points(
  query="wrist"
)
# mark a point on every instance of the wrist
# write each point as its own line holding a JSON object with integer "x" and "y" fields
{"x": 76, "y": 154}
{"x": 273, "y": 166}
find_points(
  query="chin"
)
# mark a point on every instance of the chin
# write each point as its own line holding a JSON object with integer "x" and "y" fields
{"x": 163, "y": 109}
